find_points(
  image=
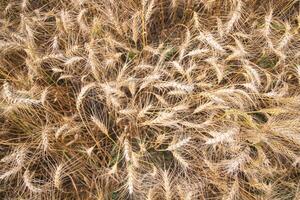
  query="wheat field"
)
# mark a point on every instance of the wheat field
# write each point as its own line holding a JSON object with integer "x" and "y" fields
{"x": 150, "y": 99}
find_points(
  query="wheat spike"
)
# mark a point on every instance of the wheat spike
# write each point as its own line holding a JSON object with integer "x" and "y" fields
{"x": 178, "y": 86}
{"x": 148, "y": 80}
{"x": 72, "y": 60}
{"x": 211, "y": 41}
{"x": 10, "y": 172}
{"x": 100, "y": 125}
{"x": 236, "y": 15}
{"x": 130, "y": 179}
{"x": 144, "y": 111}
{"x": 220, "y": 137}
{"x": 15, "y": 98}
{"x": 233, "y": 194}
{"x": 28, "y": 183}
{"x": 127, "y": 150}
{"x": 286, "y": 38}
{"x": 179, "y": 144}
{"x": 45, "y": 140}
{"x": 184, "y": 45}
{"x": 217, "y": 67}
{"x": 80, "y": 20}
{"x": 57, "y": 176}
{"x": 83, "y": 92}
{"x": 149, "y": 11}
{"x": 197, "y": 52}
{"x": 180, "y": 159}
{"x": 166, "y": 185}
{"x": 135, "y": 27}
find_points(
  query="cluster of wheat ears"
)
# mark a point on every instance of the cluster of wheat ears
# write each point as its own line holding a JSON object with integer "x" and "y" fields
{"x": 150, "y": 99}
